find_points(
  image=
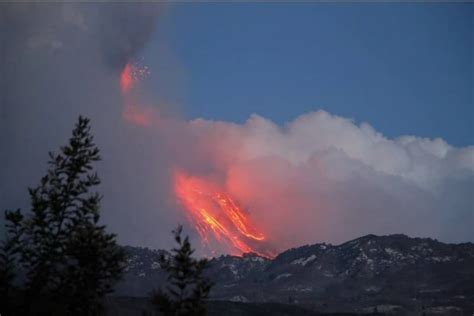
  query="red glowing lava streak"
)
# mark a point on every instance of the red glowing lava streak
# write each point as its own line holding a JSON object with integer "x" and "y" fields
{"x": 216, "y": 216}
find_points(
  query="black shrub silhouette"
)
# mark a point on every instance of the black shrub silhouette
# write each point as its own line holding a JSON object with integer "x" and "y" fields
{"x": 187, "y": 289}
{"x": 68, "y": 260}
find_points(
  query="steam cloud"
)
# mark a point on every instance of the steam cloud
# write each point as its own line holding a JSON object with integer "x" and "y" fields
{"x": 318, "y": 178}
{"x": 322, "y": 177}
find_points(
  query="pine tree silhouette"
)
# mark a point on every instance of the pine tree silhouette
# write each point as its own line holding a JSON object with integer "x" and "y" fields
{"x": 187, "y": 289}
{"x": 70, "y": 262}
{"x": 8, "y": 257}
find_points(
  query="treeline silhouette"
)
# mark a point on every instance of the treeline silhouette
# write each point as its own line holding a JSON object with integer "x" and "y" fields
{"x": 58, "y": 259}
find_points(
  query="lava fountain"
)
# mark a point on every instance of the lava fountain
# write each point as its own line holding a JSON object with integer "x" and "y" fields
{"x": 217, "y": 218}
{"x": 134, "y": 111}
{"x": 130, "y": 75}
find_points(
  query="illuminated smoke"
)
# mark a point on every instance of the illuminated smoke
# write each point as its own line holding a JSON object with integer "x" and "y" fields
{"x": 218, "y": 219}
{"x": 126, "y": 79}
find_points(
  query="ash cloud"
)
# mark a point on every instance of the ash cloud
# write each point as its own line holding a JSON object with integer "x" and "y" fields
{"x": 58, "y": 61}
{"x": 319, "y": 178}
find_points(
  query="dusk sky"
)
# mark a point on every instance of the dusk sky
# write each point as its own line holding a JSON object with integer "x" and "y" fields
{"x": 406, "y": 69}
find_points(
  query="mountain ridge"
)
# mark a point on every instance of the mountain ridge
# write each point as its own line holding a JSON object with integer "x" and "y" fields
{"x": 369, "y": 272}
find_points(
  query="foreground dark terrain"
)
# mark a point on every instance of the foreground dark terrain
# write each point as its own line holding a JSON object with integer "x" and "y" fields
{"x": 385, "y": 274}
{"x": 139, "y": 306}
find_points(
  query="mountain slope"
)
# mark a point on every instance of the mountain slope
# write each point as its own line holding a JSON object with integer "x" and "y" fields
{"x": 384, "y": 273}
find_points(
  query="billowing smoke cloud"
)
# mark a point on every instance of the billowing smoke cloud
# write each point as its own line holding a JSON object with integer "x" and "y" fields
{"x": 324, "y": 178}
{"x": 318, "y": 178}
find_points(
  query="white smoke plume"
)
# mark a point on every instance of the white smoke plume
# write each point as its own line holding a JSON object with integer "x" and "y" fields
{"x": 323, "y": 178}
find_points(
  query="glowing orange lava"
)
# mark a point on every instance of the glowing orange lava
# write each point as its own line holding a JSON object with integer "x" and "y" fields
{"x": 126, "y": 79}
{"x": 216, "y": 216}
{"x": 130, "y": 75}
{"x": 134, "y": 112}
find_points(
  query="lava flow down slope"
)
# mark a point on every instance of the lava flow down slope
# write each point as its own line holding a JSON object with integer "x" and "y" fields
{"x": 218, "y": 218}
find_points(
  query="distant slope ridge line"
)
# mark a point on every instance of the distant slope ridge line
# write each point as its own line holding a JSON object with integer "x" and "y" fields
{"x": 392, "y": 270}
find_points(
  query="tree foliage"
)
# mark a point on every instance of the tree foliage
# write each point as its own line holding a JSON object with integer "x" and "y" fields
{"x": 187, "y": 289}
{"x": 68, "y": 260}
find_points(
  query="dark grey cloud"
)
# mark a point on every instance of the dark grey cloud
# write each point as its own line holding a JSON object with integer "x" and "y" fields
{"x": 58, "y": 61}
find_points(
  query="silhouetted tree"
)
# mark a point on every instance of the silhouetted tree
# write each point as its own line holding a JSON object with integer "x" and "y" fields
{"x": 8, "y": 261}
{"x": 68, "y": 259}
{"x": 187, "y": 289}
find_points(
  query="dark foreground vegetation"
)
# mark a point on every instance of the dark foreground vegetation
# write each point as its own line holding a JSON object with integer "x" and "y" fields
{"x": 57, "y": 259}
{"x": 128, "y": 306}
{"x": 186, "y": 289}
